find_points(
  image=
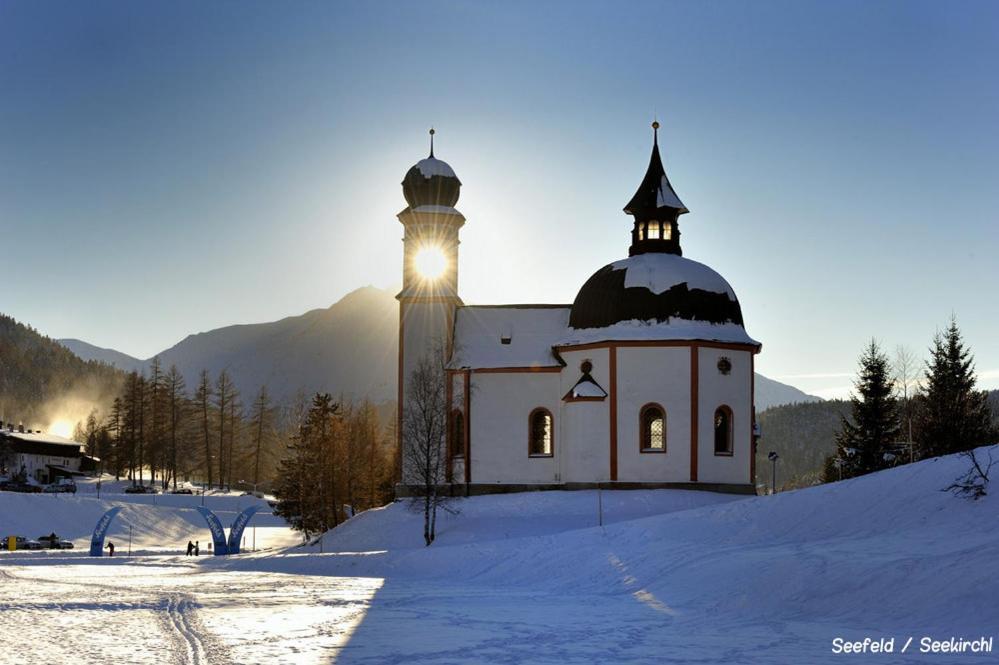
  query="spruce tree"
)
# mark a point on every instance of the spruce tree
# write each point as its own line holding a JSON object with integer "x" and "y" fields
{"x": 864, "y": 443}
{"x": 951, "y": 415}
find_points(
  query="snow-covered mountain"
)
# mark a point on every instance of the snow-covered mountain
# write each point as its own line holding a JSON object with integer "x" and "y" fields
{"x": 351, "y": 347}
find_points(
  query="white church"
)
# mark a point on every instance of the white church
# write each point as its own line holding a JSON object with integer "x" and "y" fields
{"x": 645, "y": 380}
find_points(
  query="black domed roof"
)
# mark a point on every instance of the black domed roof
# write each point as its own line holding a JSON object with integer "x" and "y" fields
{"x": 654, "y": 287}
{"x": 431, "y": 182}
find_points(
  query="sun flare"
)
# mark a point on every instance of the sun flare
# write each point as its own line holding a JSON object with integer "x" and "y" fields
{"x": 62, "y": 428}
{"x": 430, "y": 262}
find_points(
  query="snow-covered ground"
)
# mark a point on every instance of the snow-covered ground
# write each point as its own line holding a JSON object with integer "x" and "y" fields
{"x": 670, "y": 577}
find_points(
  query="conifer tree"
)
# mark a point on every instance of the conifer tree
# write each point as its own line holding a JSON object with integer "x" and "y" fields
{"x": 864, "y": 442}
{"x": 951, "y": 416}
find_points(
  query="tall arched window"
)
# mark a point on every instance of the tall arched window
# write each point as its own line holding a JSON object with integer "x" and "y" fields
{"x": 652, "y": 422}
{"x": 723, "y": 430}
{"x": 542, "y": 433}
{"x": 457, "y": 434}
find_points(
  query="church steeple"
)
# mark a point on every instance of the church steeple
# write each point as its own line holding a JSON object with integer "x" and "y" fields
{"x": 655, "y": 207}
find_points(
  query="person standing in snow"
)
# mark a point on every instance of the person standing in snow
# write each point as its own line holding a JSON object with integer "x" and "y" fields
{"x": 197, "y": 547}
{"x": 110, "y": 548}
{"x": 190, "y": 548}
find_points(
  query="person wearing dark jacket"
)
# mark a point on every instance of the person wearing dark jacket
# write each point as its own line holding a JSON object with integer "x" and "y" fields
{"x": 110, "y": 548}
{"x": 190, "y": 548}
{"x": 197, "y": 547}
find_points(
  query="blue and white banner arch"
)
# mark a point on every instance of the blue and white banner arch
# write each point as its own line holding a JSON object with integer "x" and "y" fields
{"x": 236, "y": 530}
{"x": 218, "y": 533}
{"x": 101, "y": 530}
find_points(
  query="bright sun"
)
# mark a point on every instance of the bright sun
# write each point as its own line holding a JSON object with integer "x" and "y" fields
{"x": 430, "y": 262}
{"x": 62, "y": 428}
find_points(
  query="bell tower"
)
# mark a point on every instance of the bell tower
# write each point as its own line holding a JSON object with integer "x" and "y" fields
{"x": 656, "y": 209}
{"x": 429, "y": 293}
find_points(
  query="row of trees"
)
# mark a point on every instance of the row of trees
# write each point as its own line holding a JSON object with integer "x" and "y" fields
{"x": 154, "y": 424}
{"x": 339, "y": 462}
{"x": 896, "y": 416}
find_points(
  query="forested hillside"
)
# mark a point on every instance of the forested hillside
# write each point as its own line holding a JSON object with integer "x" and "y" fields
{"x": 42, "y": 382}
{"x": 804, "y": 435}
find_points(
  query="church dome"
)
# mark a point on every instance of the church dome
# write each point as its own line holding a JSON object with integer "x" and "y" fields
{"x": 431, "y": 182}
{"x": 654, "y": 287}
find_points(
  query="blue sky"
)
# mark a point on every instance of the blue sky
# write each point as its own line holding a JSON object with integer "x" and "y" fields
{"x": 168, "y": 168}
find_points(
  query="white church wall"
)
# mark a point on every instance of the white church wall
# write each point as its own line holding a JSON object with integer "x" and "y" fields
{"x": 501, "y": 404}
{"x": 585, "y": 426}
{"x": 660, "y": 375}
{"x": 733, "y": 390}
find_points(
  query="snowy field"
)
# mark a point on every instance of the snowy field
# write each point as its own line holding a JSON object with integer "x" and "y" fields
{"x": 670, "y": 577}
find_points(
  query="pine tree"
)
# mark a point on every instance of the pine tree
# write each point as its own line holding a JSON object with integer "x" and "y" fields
{"x": 951, "y": 415}
{"x": 864, "y": 443}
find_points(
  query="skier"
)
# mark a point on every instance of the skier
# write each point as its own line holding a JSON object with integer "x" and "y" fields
{"x": 110, "y": 548}
{"x": 190, "y": 548}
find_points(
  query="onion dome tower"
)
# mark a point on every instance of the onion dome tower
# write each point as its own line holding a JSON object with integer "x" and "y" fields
{"x": 429, "y": 295}
{"x": 655, "y": 285}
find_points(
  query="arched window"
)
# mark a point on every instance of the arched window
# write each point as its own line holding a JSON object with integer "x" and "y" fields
{"x": 542, "y": 433}
{"x": 457, "y": 434}
{"x": 652, "y": 422}
{"x": 723, "y": 430}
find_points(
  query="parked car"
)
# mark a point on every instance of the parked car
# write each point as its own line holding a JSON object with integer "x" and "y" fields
{"x": 141, "y": 489}
{"x": 54, "y": 542}
{"x": 61, "y": 488}
{"x": 182, "y": 490}
{"x": 18, "y": 486}
{"x": 27, "y": 543}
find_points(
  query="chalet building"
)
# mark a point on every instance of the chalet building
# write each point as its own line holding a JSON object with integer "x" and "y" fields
{"x": 645, "y": 380}
{"x": 43, "y": 457}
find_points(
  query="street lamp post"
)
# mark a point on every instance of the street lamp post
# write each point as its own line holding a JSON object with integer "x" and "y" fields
{"x": 773, "y": 457}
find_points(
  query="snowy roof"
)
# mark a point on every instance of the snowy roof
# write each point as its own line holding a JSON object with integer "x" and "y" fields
{"x": 508, "y": 335}
{"x": 659, "y": 272}
{"x": 667, "y": 331}
{"x": 432, "y": 166}
{"x": 665, "y": 196}
{"x": 39, "y": 437}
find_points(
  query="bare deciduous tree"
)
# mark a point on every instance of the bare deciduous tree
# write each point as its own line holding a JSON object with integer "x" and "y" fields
{"x": 974, "y": 482}
{"x": 424, "y": 430}
{"x": 906, "y": 375}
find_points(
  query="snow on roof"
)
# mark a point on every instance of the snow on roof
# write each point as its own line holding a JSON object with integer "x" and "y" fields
{"x": 659, "y": 272}
{"x": 39, "y": 437}
{"x": 431, "y": 166}
{"x": 665, "y": 196}
{"x": 529, "y": 330}
{"x": 670, "y": 330}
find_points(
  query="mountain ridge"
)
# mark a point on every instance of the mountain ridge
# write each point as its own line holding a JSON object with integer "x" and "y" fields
{"x": 304, "y": 352}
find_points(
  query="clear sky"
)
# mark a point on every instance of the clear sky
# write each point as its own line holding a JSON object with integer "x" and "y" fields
{"x": 168, "y": 168}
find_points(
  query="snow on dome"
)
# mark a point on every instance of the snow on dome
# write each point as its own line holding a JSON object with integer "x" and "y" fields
{"x": 432, "y": 166}
{"x": 659, "y": 287}
{"x": 659, "y": 272}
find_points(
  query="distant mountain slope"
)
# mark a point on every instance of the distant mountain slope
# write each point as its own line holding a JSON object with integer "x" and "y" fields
{"x": 43, "y": 384}
{"x": 774, "y": 393}
{"x": 122, "y": 361}
{"x": 351, "y": 347}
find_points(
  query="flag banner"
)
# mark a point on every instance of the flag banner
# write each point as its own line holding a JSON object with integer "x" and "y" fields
{"x": 236, "y": 530}
{"x": 218, "y": 533}
{"x": 101, "y": 530}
